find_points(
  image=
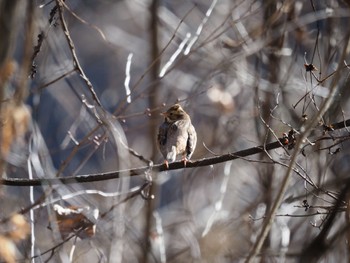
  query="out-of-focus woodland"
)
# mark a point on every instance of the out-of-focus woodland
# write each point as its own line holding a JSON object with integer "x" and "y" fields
{"x": 82, "y": 86}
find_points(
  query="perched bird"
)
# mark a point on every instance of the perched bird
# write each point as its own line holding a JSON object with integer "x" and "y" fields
{"x": 176, "y": 135}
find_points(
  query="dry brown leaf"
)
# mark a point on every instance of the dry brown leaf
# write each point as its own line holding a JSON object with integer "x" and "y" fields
{"x": 20, "y": 228}
{"x": 15, "y": 122}
{"x": 7, "y": 70}
{"x": 7, "y": 249}
{"x": 78, "y": 220}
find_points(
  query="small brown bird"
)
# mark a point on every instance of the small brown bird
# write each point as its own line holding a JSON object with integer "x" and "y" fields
{"x": 176, "y": 136}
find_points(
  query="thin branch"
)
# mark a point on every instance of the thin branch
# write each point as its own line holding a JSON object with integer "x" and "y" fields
{"x": 55, "y": 80}
{"x": 200, "y": 28}
{"x": 127, "y": 78}
{"x": 85, "y": 22}
{"x": 74, "y": 55}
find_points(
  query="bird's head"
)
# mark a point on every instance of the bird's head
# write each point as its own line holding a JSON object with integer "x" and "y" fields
{"x": 175, "y": 113}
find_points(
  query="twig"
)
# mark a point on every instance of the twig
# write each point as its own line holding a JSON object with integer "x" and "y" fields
{"x": 55, "y": 80}
{"x": 74, "y": 55}
{"x": 85, "y": 22}
{"x": 174, "y": 56}
{"x": 127, "y": 78}
{"x": 200, "y": 28}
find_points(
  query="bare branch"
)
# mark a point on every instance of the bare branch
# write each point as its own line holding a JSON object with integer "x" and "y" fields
{"x": 159, "y": 167}
{"x": 76, "y": 62}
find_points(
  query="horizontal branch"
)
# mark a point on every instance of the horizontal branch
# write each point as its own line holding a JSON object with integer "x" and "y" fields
{"x": 159, "y": 167}
{"x": 138, "y": 171}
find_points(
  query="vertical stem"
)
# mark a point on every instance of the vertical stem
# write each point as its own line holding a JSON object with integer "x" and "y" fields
{"x": 154, "y": 88}
{"x": 347, "y": 220}
{"x": 22, "y": 89}
{"x": 153, "y": 102}
{"x": 273, "y": 76}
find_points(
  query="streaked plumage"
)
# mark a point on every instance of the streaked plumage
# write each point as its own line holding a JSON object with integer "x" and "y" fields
{"x": 176, "y": 136}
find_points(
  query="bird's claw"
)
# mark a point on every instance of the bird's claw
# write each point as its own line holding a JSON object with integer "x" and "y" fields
{"x": 185, "y": 161}
{"x": 166, "y": 163}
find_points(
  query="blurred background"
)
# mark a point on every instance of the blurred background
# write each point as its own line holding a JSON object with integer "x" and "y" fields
{"x": 83, "y": 84}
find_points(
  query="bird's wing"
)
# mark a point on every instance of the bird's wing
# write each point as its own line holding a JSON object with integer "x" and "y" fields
{"x": 168, "y": 140}
{"x": 191, "y": 141}
{"x": 162, "y": 138}
{"x": 162, "y": 133}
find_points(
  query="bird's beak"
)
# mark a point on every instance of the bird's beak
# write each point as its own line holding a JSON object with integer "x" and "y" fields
{"x": 164, "y": 114}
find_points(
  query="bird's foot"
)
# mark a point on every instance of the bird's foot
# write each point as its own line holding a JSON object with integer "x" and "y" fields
{"x": 166, "y": 163}
{"x": 185, "y": 161}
